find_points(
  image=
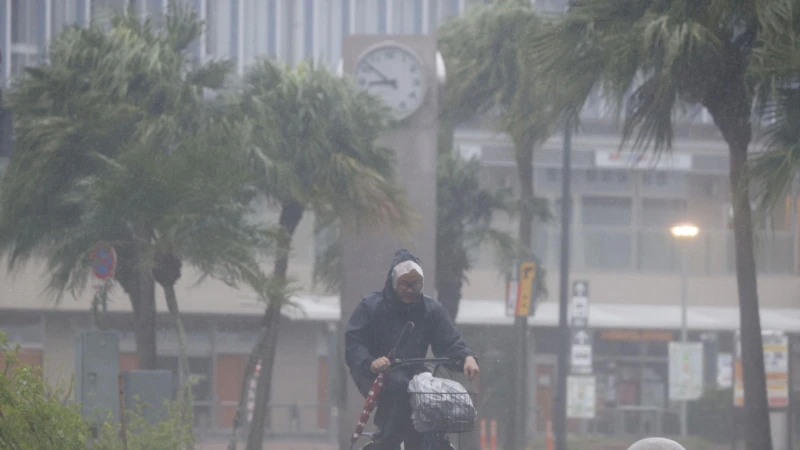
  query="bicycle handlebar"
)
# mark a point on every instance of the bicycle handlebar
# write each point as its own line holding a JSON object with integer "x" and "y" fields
{"x": 397, "y": 362}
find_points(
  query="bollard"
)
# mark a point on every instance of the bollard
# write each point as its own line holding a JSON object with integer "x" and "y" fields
{"x": 550, "y": 443}
{"x": 493, "y": 435}
{"x": 483, "y": 434}
{"x": 656, "y": 443}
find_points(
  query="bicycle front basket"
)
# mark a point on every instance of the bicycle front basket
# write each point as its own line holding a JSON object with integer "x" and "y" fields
{"x": 441, "y": 405}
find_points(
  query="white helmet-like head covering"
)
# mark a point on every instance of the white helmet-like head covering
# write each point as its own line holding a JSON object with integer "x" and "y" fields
{"x": 404, "y": 268}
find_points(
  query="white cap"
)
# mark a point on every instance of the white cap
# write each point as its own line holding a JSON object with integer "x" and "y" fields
{"x": 404, "y": 268}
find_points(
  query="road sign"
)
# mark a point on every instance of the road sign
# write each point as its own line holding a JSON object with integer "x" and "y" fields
{"x": 685, "y": 370}
{"x": 521, "y": 290}
{"x": 527, "y": 276}
{"x": 581, "y": 397}
{"x": 580, "y": 312}
{"x": 776, "y": 366}
{"x": 104, "y": 262}
{"x": 581, "y": 335}
{"x": 581, "y": 362}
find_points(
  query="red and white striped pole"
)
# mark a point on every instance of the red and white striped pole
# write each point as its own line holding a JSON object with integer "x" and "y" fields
{"x": 483, "y": 435}
{"x": 493, "y": 435}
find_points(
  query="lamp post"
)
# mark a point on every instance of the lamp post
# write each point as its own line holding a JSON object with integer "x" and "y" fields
{"x": 684, "y": 232}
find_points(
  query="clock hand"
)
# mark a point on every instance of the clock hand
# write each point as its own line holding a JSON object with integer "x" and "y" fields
{"x": 378, "y": 72}
{"x": 392, "y": 83}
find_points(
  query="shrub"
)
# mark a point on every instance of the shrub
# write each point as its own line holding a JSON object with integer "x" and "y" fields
{"x": 33, "y": 416}
{"x": 170, "y": 433}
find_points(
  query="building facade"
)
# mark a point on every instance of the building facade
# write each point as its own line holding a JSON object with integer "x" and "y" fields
{"x": 621, "y": 244}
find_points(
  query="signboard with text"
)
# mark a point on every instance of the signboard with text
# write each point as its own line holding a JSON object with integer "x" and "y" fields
{"x": 521, "y": 290}
{"x": 685, "y": 370}
{"x": 776, "y": 366}
{"x": 581, "y": 397}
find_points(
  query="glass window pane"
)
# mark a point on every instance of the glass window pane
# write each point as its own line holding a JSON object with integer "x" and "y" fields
{"x": 607, "y": 211}
{"x": 366, "y": 15}
{"x": 256, "y": 29}
{"x": 662, "y": 212}
{"x": 64, "y": 12}
{"x": 218, "y": 22}
{"x": 404, "y": 16}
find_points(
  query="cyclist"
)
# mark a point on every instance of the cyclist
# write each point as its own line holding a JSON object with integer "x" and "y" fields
{"x": 374, "y": 328}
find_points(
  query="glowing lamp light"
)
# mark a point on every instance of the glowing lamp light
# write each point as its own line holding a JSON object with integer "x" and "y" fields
{"x": 684, "y": 230}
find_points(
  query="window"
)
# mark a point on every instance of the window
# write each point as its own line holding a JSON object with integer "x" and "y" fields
{"x": 366, "y": 16}
{"x": 406, "y": 16}
{"x": 607, "y": 211}
{"x": 104, "y": 9}
{"x": 259, "y": 29}
{"x": 27, "y": 33}
{"x": 662, "y": 212}
{"x": 65, "y": 13}
{"x": 220, "y": 34}
{"x": 607, "y": 239}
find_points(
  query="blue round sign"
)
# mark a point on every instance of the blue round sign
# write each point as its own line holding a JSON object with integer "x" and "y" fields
{"x": 104, "y": 262}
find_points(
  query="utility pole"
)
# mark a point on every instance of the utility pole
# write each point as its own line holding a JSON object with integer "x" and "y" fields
{"x": 560, "y": 413}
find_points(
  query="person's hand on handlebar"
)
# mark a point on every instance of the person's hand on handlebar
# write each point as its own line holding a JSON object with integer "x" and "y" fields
{"x": 380, "y": 365}
{"x": 471, "y": 369}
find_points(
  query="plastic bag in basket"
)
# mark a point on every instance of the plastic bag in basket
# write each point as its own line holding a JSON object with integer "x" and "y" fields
{"x": 440, "y": 405}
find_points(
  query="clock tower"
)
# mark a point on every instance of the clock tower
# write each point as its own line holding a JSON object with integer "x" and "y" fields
{"x": 406, "y": 72}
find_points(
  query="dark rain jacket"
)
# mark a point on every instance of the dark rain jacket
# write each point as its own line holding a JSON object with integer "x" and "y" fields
{"x": 376, "y": 324}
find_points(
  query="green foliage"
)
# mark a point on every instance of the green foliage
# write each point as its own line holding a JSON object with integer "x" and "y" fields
{"x": 118, "y": 144}
{"x": 710, "y": 417}
{"x": 33, "y": 416}
{"x": 320, "y": 150}
{"x": 169, "y": 433}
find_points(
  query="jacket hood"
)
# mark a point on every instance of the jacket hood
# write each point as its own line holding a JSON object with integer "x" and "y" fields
{"x": 400, "y": 255}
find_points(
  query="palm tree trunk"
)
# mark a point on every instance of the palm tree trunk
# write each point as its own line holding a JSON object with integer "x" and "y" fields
{"x": 730, "y": 110}
{"x": 185, "y": 393}
{"x": 249, "y": 370}
{"x": 291, "y": 214}
{"x": 449, "y": 290}
{"x": 757, "y": 432}
{"x": 524, "y": 154}
{"x": 141, "y": 288}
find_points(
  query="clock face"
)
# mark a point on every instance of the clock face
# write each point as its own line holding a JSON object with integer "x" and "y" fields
{"x": 396, "y": 76}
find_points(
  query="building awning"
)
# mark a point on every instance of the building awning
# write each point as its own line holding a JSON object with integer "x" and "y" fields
{"x": 601, "y": 315}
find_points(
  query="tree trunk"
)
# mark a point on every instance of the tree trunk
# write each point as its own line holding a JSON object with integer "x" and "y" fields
{"x": 449, "y": 290}
{"x": 249, "y": 370}
{"x": 449, "y": 280}
{"x": 757, "y": 431}
{"x": 142, "y": 293}
{"x": 523, "y": 149}
{"x": 731, "y": 113}
{"x": 141, "y": 289}
{"x": 185, "y": 393}
{"x": 291, "y": 214}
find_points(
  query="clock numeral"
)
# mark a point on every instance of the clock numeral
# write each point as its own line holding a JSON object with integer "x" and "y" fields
{"x": 403, "y": 105}
{"x": 390, "y": 54}
{"x": 416, "y": 82}
{"x": 412, "y": 95}
{"x": 362, "y": 82}
{"x": 412, "y": 68}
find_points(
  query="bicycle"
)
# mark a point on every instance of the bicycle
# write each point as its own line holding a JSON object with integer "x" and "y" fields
{"x": 436, "y": 438}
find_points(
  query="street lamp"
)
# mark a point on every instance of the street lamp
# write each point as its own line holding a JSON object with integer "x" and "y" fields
{"x": 684, "y": 232}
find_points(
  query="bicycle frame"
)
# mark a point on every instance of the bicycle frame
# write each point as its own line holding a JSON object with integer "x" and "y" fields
{"x": 396, "y": 363}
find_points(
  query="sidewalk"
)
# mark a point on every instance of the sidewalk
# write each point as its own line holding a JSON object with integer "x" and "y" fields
{"x": 221, "y": 444}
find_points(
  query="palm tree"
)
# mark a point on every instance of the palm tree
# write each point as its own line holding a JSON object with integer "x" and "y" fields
{"x": 94, "y": 126}
{"x": 323, "y": 160}
{"x": 464, "y": 225}
{"x": 482, "y": 53}
{"x": 489, "y": 78}
{"x": 653, "y": 57}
